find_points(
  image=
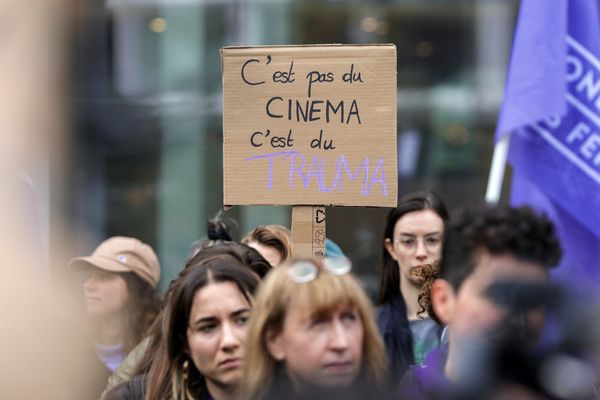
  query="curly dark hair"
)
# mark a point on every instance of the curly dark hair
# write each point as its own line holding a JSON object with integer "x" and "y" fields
{"x": 518, "y": 231}
{"x": 427, "y": 275}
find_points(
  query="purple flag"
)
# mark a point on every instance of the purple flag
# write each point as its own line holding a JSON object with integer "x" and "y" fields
{"x": 552, "y": 111}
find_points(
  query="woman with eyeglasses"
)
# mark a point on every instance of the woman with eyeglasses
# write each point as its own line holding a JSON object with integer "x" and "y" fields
{"x": 313, "y": 335}
{"x": 412, "y": 243}
{"x": 202, "y": 348}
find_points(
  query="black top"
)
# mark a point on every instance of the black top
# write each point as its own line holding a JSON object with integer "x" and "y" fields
{"x": 283, "y": 389}
{"x": 397, "y": 337}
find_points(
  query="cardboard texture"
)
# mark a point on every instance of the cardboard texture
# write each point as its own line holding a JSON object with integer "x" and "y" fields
{"x": 308, "y": 231}
{"x": 310, "y": 125}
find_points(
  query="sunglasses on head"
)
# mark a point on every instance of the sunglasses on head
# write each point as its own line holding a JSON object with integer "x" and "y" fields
{"x": 305, "y": 271}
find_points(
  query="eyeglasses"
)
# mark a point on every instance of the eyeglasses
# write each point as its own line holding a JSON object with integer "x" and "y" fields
{"x": 306, "y": 271}
{"x": 410, "y": 243}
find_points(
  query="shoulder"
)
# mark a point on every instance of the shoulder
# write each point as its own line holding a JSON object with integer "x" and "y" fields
{"x": 391, "y": 314}
{"x": 126, "y": 369}
{"x": 130, "y": 390}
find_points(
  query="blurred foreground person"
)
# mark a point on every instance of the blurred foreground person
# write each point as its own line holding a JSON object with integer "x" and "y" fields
{"x": 313, "y": 336}
{"x": 121, "y": 300}
{"x": 197, "y": 345}
{"x": 491, "y": 256}
{"x": 412, "y": 240}
{"x": 273, "y": 242}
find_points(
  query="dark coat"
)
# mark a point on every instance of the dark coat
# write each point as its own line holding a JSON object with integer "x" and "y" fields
{"x": 397, "y": 336}
{"x": 283, "y": 389}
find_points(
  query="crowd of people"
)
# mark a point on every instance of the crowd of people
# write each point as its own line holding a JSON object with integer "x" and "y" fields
{"x": 459, "y": 299}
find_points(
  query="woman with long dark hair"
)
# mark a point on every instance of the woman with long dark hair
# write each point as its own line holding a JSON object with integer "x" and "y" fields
{"x": 199, "y": 348}
{"x": 412, "y": 241}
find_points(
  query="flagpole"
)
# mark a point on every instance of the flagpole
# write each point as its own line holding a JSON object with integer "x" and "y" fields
{"x": 494, "y": 186}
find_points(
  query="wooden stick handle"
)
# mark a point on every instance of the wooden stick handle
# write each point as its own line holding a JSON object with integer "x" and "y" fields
{"x": 308, "y": 231}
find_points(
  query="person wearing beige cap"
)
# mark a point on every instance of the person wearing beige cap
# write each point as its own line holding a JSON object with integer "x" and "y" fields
{"x": 121, "y": 301}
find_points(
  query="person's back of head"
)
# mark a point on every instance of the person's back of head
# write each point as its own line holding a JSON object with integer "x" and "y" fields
{"x": 219, "y": 230}
{"x": 274, "y": 242}
{"x": 244, "y": 253}
{"x": 497, "y": 230}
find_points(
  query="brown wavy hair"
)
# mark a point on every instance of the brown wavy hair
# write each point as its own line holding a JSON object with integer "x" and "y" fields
{"x": 166, "y": 377}
{"x": 427, "y": 275}
{"x": 249, "y": 257}
{"x": 142, "y": 307}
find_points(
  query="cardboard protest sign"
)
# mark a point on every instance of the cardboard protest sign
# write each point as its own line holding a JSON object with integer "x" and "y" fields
{"x": 310, "y": 125}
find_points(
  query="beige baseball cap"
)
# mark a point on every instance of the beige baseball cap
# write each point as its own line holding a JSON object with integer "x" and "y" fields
{"x": 123, "y": 254}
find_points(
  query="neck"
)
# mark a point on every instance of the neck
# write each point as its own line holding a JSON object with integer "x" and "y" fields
{"x": 222, "y": 392}
{"x": 450, "y": 369}
{"x": 111, "y": 331}
{"x": 410, "y": 293}
{"x": 464, "y": 353}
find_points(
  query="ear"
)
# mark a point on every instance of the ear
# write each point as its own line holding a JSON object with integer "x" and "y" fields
{"x": 274, "y": 345}
{"x": 389, "y": 246}
{"x": 442, "y": 300}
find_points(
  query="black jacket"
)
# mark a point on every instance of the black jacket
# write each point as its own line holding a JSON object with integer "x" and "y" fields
{"x": 397, "y": 336}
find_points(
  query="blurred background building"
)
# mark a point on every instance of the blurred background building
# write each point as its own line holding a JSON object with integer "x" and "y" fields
{"x": 146, "y": 129}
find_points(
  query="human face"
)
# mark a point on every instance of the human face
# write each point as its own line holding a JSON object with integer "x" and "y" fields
{"x": 320, "y": 350}
{"x": 473, "y": 313}
{"x": 417, "y": 241}
{"x": 271, "y": 254}
{"x": 216, "y": 333}
{"x": 105, "y": 293}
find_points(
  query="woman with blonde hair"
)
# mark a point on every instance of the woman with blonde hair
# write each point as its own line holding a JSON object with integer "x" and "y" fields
{"x": 313, "y": 334}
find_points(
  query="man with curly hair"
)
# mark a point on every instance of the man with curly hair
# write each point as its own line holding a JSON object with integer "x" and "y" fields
{"x": 486, "y": 250}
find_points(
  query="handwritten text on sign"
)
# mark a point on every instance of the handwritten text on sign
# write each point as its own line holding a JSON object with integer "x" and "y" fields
{"x": 310, "y": 125}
